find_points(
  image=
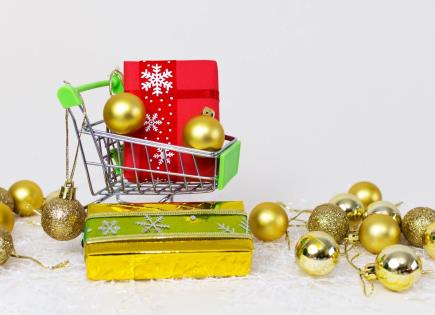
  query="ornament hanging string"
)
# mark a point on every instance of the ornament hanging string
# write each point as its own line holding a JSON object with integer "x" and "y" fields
{"x": 57, "y": 266}
{"x": 69, "y": 176}
{"x": 367, "y": 284}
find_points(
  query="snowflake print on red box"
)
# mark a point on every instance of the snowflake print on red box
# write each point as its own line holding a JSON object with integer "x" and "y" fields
{"x": 156, "y": 80}
{"x": 173, "y": 92}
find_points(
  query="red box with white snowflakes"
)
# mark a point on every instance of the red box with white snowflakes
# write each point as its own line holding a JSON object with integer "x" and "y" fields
{"x": 173, "y": 91}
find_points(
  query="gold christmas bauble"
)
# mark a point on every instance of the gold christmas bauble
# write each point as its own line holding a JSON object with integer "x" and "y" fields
{"x": 6, "y": 198}
{"x": 378, "y": 231}
{"x": 331, "y": 219}
{"x": 204, "y": 132}
{"x": 366, "y": 192}
{"x": 353, "y": 207}
{"x": 429, "y": 240}
{"x": 6, "y": 246}
{"x": 27, "y": 196}
{"x": 387, "y": 208}
{"x": 398, "y": 267}
{"x": 124, "y": 113}
{"x": 268, "y": 221}
{"x": 63, "y": 219}
{"x": 7, "y": 218}
{"x": 317, "y": 253}
{"x": 415, "y": 223}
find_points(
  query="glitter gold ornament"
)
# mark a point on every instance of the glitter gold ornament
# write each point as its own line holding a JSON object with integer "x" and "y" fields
{"x": 204, "y": 132}
{"x": 398, "y": 267}
{"x": 27, "y": 196}
{"x": 6, "y": 198}
{"x": 387, "y": 208}
{"x": 124, "y": 113}
{"x": 268, "y": 221}
{"x": 6, "y": 246}
{"x": 429, "y": 240}
{"x": 415, "y": 223}
{"x": 331, "y": 219}
{"x": 317, "y": 253}
{"x": 378, "y": 231}
{"x": 63, "y": 217}
{"x": 353, "y": 207}
{"x": 367, "y": 192}
{"x": 7, "y": 218}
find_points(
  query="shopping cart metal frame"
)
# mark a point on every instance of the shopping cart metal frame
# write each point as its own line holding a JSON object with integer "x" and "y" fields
{"x": 110, "y": 147}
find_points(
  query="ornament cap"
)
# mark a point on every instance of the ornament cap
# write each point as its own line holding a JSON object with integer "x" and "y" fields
{"x": 68, "y": 191}
{"x": 207, "y": 111}
{"x": 353, "y": 237}
{"x": 369, "y": 272}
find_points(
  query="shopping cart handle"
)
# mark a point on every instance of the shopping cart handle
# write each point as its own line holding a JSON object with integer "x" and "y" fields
{"x": 69, "y": 96}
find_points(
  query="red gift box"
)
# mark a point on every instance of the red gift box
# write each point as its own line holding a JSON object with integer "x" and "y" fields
{"x": 173, "y": 92}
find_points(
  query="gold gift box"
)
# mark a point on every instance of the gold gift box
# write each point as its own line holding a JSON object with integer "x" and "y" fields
{"x": 167, "y": 240}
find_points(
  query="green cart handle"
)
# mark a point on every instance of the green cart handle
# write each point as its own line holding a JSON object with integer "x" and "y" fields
{"x": 69, "y": 96}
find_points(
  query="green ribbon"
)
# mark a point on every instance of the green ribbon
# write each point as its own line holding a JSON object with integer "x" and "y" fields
{"x": 161, "y": 226}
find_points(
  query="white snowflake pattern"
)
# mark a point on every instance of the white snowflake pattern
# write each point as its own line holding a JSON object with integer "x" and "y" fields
{"x": 109, "y": 227}
{"x": 244, "y": 225}
{"x": 156, "y": 80}
{"x": 152, "y": 122}
{"x": 149, "y": 224}
{"x": 225, "y": 228}
{"x": 162, "y": 155}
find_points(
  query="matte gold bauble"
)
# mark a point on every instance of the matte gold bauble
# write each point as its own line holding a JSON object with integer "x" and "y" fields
{"x": 378, "y": 231}
{"x": 6, "y": 198}
{"x": 398, "y": 267}
{"x": 6, "y": 246}
{"x": 331, "y": 219}
{"x": 204, "y": 132}
{"x": 7, "y": 218}
{"x": 387, "y": 208}
{"x": 415, "y": 223}
{"x": 317, "y": 253}
{"x": 268, "y": 221}
{"x": 63, "y": 217}
{"x": 353, "y": 207}
{"x": 124, "y": 113}
{"x": 366, "y": 192}
{"x": 27, "y": 196}
{"x": 429, "y": 240}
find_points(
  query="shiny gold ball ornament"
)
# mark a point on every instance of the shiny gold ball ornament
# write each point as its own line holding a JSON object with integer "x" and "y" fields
{"x": 63, "y": 217}
{"x": 204, "y": 132}
{"x": 331, "y": 219}
{"x": 353, "y": 207}
{"x": 6, "y": 198}
{"x": 268, "y": 221}
{"x": 367, "y": 192}
{"x": 415, "y": 223}
{"x": 386, "y": 208}
{"x": 378, "y": 231}
{"x": 27, "y": 196}
{"x": 429, "y": 240}
{"x": 398, "y": 267}
{"x": 124, "y": 113}
{"x": 6, "y": 245}
{"x": 7, "y": 218}
{"x": 317, "y": 253}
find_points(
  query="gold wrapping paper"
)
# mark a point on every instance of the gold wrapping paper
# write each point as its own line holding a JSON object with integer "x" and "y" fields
{"x": 175, "y": 254}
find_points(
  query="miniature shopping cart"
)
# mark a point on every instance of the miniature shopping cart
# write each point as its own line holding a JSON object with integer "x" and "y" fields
{"x": 108, "y": 149}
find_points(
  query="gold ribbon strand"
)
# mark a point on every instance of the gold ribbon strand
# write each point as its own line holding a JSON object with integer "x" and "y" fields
{"x": 60, "y": 265}
{"x": 367, "y": 284}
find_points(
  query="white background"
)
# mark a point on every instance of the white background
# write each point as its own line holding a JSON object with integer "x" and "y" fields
{"x": 321, "y": 93}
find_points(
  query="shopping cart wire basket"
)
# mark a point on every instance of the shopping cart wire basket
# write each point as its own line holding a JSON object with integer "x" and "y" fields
{"x": 110, "y": 154}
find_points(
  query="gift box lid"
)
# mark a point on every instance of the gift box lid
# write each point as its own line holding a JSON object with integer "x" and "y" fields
{"x": 166, "y": 227}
